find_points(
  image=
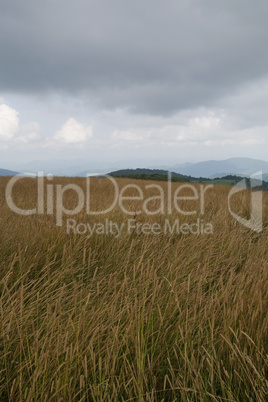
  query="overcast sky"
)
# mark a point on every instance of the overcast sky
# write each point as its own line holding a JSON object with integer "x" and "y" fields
{"x": 152, "y": 81}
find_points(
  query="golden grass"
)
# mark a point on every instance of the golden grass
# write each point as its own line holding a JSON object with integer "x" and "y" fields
{"x": 134, "y": 318}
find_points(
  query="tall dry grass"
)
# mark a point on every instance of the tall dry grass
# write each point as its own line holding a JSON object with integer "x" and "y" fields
{"x": 134, "y": 318}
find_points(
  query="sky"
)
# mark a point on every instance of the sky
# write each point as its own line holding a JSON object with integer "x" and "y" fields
{"x": 144, "y": 82}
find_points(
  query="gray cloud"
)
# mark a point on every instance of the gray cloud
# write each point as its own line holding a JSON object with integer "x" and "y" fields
{"x": 150, "y": 56}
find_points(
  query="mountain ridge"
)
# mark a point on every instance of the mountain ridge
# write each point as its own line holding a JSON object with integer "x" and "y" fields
{"x": 219, "y": 168}
{"x": 6, "y": 172}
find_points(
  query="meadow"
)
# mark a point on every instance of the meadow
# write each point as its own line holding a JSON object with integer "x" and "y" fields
{"x": 137, "y": 317}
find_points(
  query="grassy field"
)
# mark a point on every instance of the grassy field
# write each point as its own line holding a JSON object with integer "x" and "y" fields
{"x": 167, "y": 317}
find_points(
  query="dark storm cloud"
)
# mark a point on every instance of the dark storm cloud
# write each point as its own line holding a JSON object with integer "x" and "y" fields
{"x": 149, "y": 56}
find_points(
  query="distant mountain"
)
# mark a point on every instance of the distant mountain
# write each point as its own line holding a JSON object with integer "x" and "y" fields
{"x": 207, "y": 169}
{"x": 79, "y": 168}
{"x": 5, "y": 172}
{"x": 232, "y": 166}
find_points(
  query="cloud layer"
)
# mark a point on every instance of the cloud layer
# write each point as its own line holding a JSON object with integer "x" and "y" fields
{"x": 147, "y": 56}
{"x": 184, "y": 79}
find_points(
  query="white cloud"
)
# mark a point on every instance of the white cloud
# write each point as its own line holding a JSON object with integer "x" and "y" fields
{"x": 29, "y": 132}
{"x": 252, "y": 136}
{"x": 126, "y": 135}
{"x": 73, "y": 132}
{"x": 191, "y": 129}
{"x": 9, "y": 122}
